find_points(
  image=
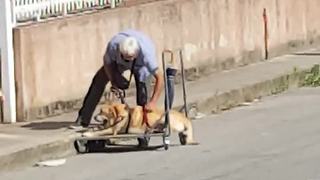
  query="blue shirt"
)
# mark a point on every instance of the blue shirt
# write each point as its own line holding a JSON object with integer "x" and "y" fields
{"x": 146, "y": 61}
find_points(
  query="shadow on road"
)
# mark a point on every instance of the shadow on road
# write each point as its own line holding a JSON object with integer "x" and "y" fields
{"x": 52, "y": 125}
{"x": 101, "y": 147}
{"x": 307, "y": 54}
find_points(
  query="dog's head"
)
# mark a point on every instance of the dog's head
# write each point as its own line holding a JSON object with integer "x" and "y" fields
{"x": 111, "y": 113}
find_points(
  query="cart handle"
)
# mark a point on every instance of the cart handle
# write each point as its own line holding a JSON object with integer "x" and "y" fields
{"x": 167, "y": 51}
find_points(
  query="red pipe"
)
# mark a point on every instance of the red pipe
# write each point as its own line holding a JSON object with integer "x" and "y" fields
{"x": 266, "y": 35}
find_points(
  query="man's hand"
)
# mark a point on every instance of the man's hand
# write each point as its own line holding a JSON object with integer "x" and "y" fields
{"x": 114, "y": 89}
{"x": 150, "y": 106}
{"x": 2, "y": 99}
{"x": 119, "y": 93}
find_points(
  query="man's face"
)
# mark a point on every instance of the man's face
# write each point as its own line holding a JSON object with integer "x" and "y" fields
{"x": 128, "y": 58}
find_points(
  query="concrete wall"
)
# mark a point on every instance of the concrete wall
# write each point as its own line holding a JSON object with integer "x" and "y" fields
{"x": 56, "y": 60}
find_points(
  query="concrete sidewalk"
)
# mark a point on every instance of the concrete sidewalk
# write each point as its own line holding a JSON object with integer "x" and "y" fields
{"x": 27, "y": 143}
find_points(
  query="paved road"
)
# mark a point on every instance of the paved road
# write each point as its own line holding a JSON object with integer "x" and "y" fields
{"x": 276, "y": 138}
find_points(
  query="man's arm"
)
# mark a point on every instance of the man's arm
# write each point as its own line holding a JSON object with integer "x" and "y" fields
{"x": 108, "y": 61}
{"x": 108, "y": 70}
{"x": 156, "y": 91}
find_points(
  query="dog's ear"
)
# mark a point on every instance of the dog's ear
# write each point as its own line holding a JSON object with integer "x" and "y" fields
{"x": 120, "y": 110}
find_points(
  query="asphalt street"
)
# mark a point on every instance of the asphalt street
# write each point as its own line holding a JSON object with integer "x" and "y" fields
{"x": 275, "y": 138}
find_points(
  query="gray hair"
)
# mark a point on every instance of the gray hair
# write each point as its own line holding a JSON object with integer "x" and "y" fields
{"x": 129, "y": 46}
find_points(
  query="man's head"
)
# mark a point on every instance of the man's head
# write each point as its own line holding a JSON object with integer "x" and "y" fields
{"x": 129, "y": 49}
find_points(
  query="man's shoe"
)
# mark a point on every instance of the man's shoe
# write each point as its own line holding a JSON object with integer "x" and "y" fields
{"x": 78, "y": 125}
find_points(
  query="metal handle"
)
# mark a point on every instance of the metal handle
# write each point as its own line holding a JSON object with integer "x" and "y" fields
{"x": 167, "y": 117}
{"x": 166, "y": 51}
{"x": 183, "y": 84}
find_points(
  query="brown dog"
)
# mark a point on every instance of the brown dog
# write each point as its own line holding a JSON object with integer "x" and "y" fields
{"x": 116, "y": 117}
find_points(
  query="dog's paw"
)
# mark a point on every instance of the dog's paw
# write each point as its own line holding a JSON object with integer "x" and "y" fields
{"x": 87, "y": 134}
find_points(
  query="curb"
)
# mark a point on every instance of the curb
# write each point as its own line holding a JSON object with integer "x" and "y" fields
{"x": 222, "y": 101}
{"x": 30, "y": 156}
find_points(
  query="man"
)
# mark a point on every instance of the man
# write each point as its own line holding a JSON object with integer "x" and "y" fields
{"x": 127, "y": 50}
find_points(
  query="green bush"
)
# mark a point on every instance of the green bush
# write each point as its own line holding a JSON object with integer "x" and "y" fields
{"x": 313, "y": 77}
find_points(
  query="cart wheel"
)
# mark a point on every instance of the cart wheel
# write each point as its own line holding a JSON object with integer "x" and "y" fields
{"x": 166, "y": 143}
{"x": 143, "y": 142}
{"x": 183, "y": 138}
{"x": 96, "y": 145}
{"x": 81, "y": 146}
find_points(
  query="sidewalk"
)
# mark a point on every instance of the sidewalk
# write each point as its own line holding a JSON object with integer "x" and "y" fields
{"x": 27, "y": 143}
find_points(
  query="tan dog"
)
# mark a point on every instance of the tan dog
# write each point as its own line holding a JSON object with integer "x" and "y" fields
{"x": 116, "y": 117}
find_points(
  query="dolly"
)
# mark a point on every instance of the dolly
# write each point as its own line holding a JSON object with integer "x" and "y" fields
{"x": 87, "y": 144}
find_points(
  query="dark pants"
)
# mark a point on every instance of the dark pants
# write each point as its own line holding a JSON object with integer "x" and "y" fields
{"x": 96, "y": 90}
